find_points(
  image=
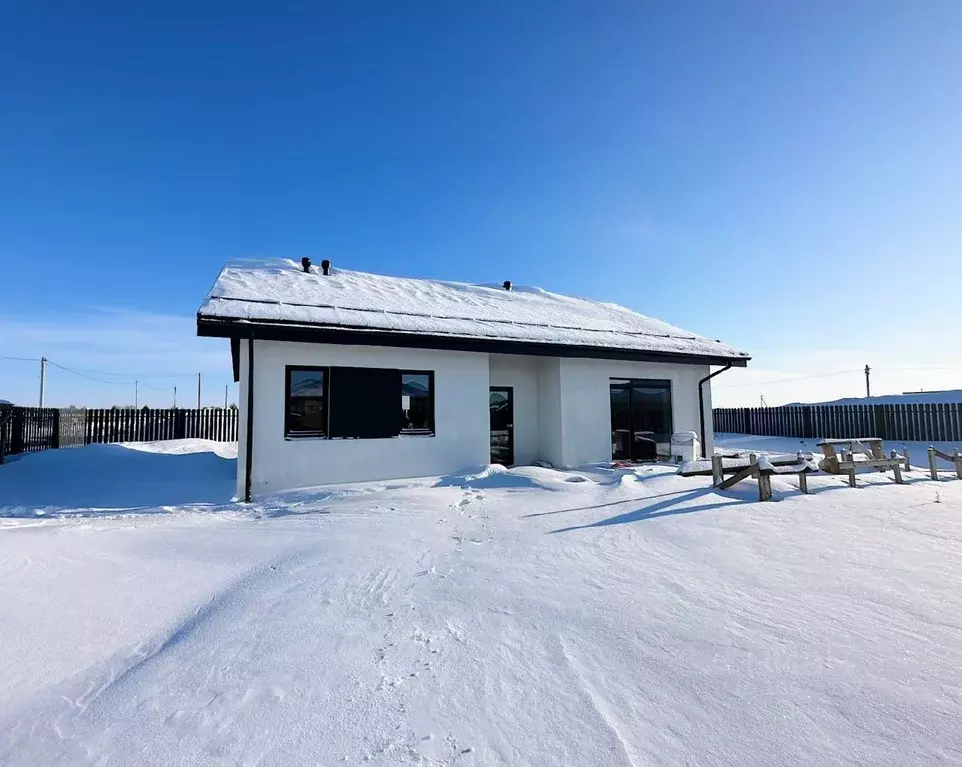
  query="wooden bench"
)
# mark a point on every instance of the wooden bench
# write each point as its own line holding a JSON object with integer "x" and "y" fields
{"x": 875, "y": 458}
{"x": 954, "y": 458}
{"x": 762, "y": 470}
{"x": 734, "y": 463}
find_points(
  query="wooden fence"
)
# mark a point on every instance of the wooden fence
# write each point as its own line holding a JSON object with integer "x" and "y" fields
{"x": 146, "y": 425}
{"x": 913, "y": 423}
{"x": 30, "y": 429}
{"x": 27, "y": 430}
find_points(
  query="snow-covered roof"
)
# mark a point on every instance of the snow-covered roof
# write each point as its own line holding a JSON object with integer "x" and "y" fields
{"x": 279, "y": 291}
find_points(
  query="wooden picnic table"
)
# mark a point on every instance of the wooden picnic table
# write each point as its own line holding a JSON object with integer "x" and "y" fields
{"x": 762, "y": 469}
{"x": 734, "y": 463}
{"x": 851, "y": 449}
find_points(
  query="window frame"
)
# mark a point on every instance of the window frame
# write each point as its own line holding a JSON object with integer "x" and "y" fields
{"x": 628, "y": 384}
{"x": 288, "y": 369}
{"x": 434, "y": 427}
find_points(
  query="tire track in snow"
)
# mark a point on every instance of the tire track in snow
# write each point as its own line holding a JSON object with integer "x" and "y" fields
{"x": 598, "y": 701}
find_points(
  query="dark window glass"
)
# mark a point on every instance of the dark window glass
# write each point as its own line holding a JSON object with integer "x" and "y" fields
{"x": 306, "y": 403}
{"x": 641, "y": 422}
{"x": 417, "y": 403}
{"x": 363, "y": 403}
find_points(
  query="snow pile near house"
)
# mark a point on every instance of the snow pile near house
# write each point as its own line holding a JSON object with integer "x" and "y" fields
{"x": 96, "y": 479}
{"x": 627, "y": 617}
{"x": 279, "y": 290}
{"x": 184, "y": 447}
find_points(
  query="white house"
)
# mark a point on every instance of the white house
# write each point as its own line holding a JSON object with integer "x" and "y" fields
{"x": 348, "y": 376}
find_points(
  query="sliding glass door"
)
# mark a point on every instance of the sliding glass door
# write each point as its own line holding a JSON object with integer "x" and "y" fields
{"x": 641, "y": 423}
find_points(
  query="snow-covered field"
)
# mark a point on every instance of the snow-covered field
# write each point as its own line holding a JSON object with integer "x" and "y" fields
{"x": 527, "y": 617}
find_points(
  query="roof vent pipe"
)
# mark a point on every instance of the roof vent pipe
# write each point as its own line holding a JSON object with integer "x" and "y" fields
{"x": 326, "y": 267}
{"x": 306, "y": 264}
{"x": 507, "y": 284}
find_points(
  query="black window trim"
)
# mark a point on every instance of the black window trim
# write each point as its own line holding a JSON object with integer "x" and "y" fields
{"x": 288, "y": 369}
{"x": 627, "y": 383}
{"x": 434, "y": 427}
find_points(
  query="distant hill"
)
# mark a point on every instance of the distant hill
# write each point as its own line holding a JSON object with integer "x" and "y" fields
{"x": 909, "y": 398}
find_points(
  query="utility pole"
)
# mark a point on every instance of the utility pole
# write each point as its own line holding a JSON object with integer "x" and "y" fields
{"x": 43, "y": 377}
{"x": 175, "y": 398}
{"x": 868, "y": 385}
{"x": 198, "y": 391}
{"x": 136, "y": 394}
{"x": 226, "y": 386}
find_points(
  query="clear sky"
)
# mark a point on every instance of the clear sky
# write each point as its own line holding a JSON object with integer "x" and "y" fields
{"x": 784, "y": 176}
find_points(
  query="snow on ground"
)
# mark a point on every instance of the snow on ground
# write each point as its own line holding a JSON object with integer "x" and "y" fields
{"x": 523, "y": 617}
{"x": 148, "y": 476}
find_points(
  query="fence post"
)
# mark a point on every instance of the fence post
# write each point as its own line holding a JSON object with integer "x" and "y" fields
{"x": 933, "y": 469}
{"x": 16, "y": 432}
{"x": 55, "y": 437}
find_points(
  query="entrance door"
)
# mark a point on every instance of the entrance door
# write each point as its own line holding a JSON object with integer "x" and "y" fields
{"x": 640, "y": 419}
{"x": 501, "y": 409}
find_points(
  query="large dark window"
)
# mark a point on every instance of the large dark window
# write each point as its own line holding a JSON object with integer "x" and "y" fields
{"x": 640, "y": 419}
{"x": 358, "y": 403}
{"x": 306, "y": 411}
{"x": 417, "y": 402}
{"x": 364, "y": 403}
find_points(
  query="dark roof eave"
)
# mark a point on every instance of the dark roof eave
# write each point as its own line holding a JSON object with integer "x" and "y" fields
{"x": 277, "y": 330}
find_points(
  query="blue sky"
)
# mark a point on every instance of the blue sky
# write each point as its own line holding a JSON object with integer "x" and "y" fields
{"x": 784, "y": 176}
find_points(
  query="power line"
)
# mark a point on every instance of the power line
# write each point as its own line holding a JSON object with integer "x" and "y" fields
{"x": 786, "y": 380}
{"x": 22, "y": 359}
{"x": 89, "y": 378}
{"x": 132, "y": 377}
{"x": 155, "y": 388}
{"x": 137, "y": 375}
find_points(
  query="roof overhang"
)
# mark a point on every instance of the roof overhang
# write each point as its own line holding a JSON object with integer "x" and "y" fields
{"x": 215, "y": 327}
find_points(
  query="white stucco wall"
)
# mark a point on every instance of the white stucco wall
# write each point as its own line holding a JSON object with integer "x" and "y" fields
{"x": 550, "y": 420}
{"x": 521, "y": 374}
{"x": 460, "y": 412}
{"x": 562, "y": 413}
{"x": 586, "y": 403}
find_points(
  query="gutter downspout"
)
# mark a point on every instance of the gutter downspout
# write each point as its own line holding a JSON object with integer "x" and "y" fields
{"x": 250, "y": 419}
{"x": 701, "y": 404}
